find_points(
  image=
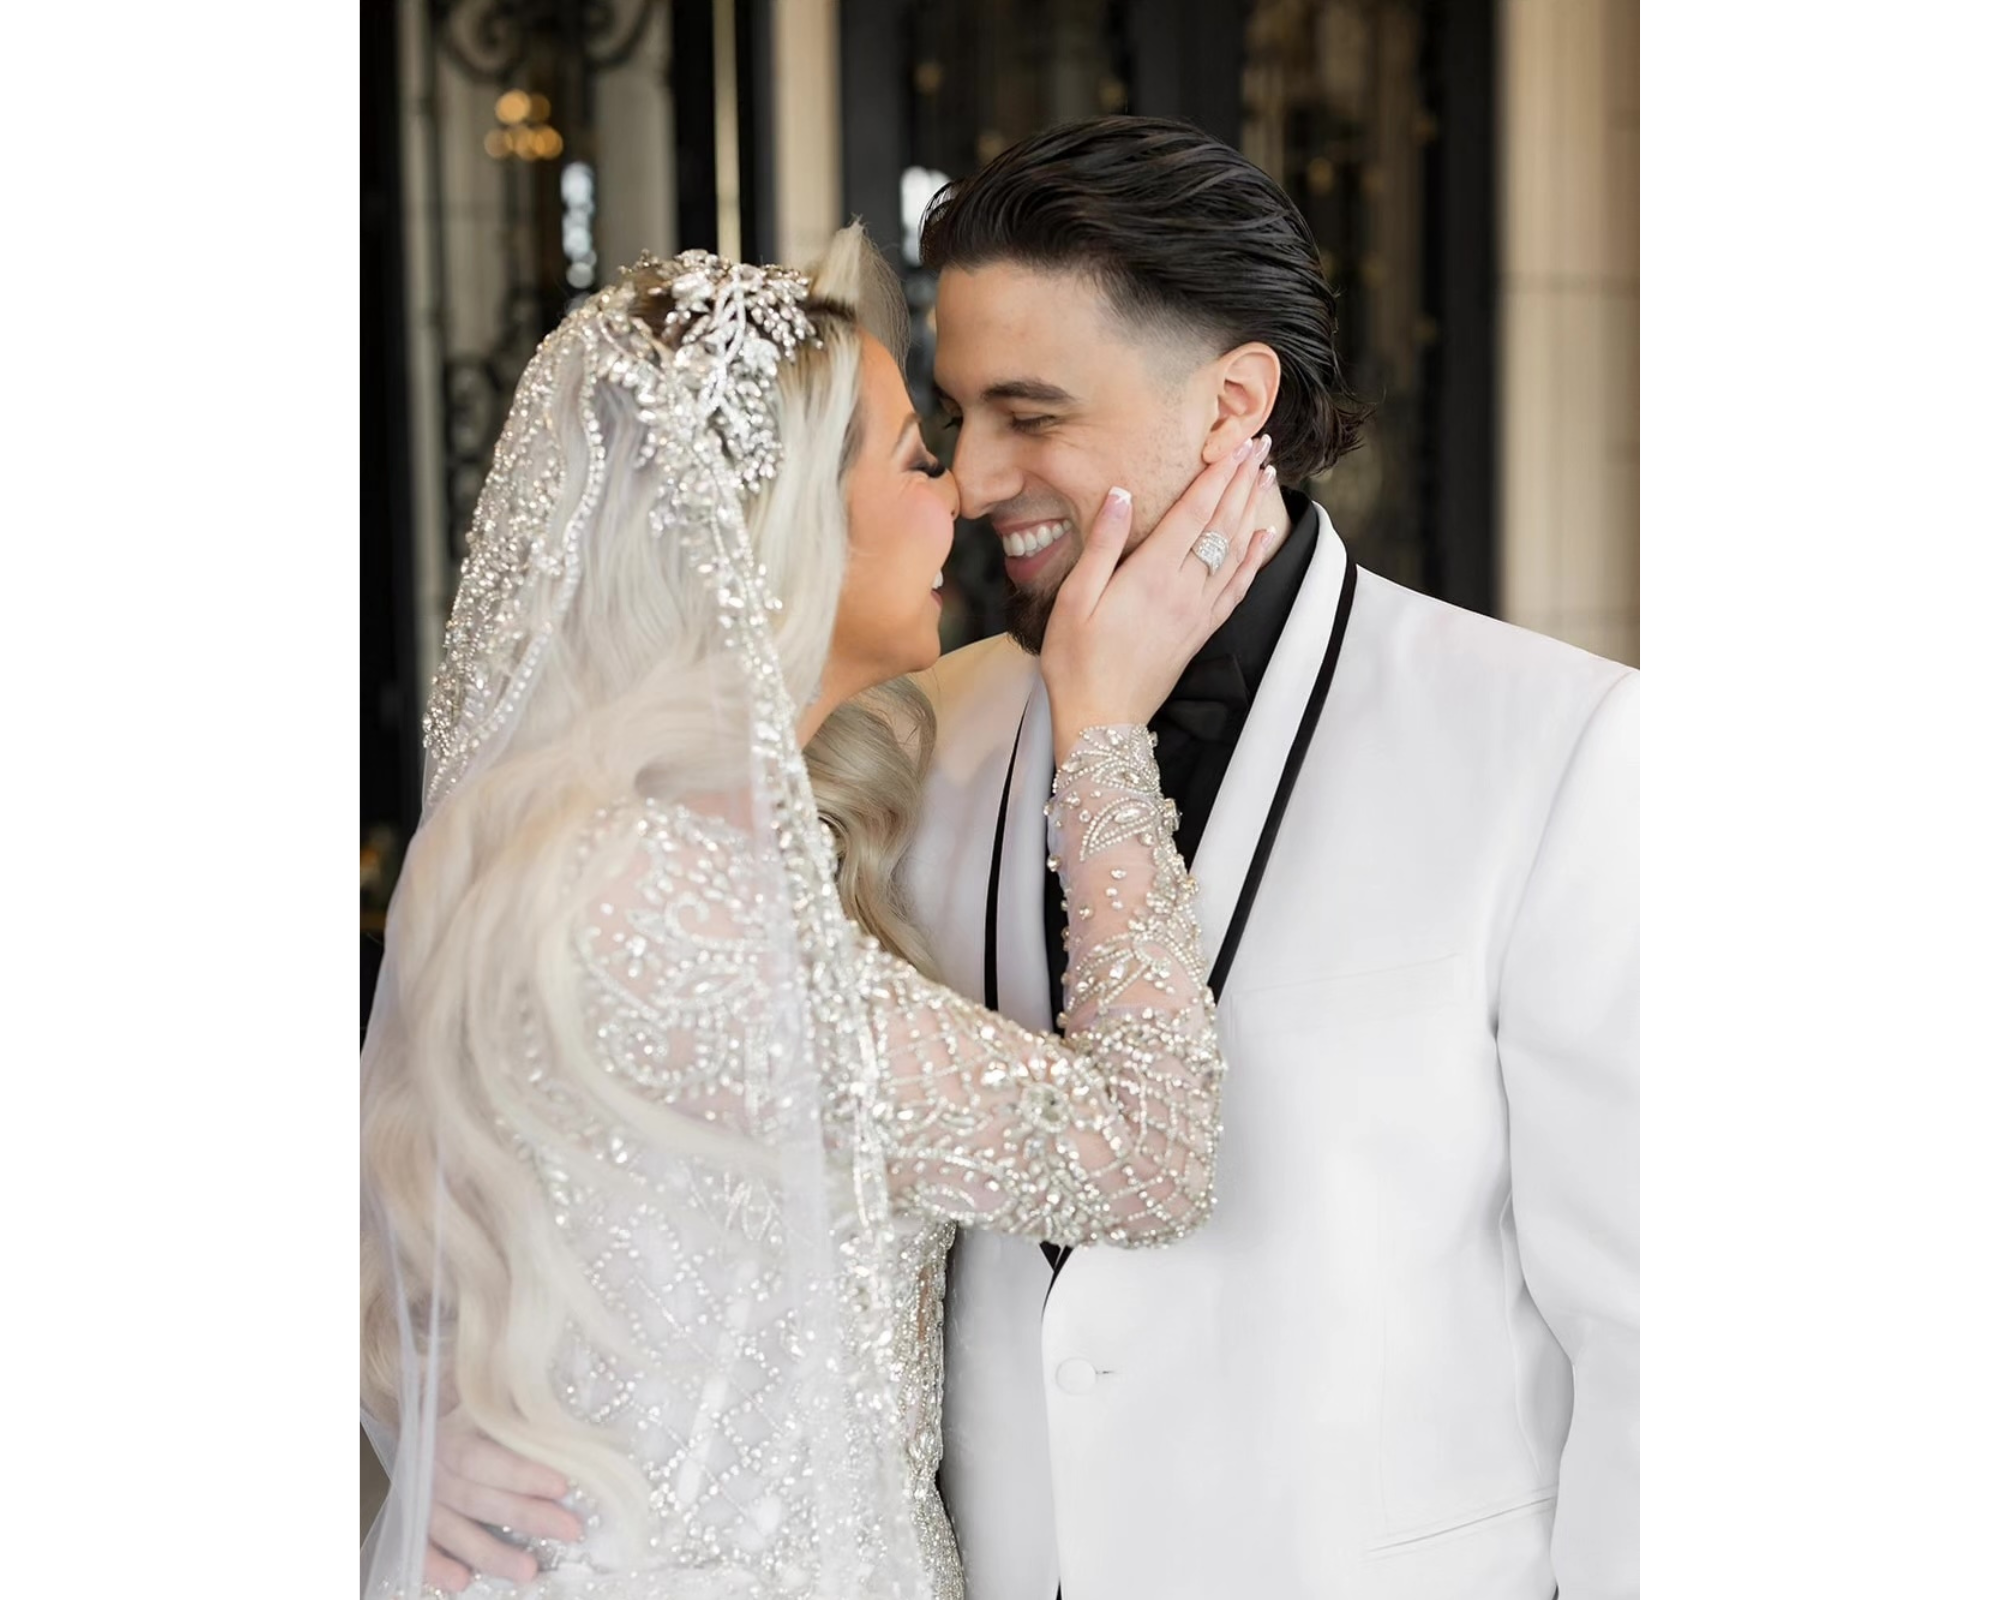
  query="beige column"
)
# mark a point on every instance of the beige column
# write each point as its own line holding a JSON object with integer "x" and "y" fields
{"x": 1569, "y": 321}
{"x": 635, "y": 143}
{"x": 806, "y": 109}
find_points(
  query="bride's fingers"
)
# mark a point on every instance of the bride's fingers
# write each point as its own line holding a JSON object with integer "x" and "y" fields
{"x": 1237, "y": 584}
{"x": 1238, "y": 505}
{"x": 1236, "y": 519}
{"x": 1102, "y": 546}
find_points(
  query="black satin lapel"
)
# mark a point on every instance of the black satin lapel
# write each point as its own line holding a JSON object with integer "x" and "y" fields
{"x": 1294, "y": 760}
{"x": 993, "y": 875}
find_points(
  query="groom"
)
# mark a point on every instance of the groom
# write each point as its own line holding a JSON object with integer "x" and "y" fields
{"x": 1402, "y": 1360}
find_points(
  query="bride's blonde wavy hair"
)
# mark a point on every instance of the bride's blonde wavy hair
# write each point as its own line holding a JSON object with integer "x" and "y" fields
{"x": 481, "y": 929}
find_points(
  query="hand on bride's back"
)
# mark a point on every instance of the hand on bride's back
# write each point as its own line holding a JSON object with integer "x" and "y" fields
{"x": 478, "y": 1485}
{"x": 1121, "y": 632}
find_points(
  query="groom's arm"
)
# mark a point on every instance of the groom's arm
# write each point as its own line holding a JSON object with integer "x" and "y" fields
{"x": 1569, "y": 1055}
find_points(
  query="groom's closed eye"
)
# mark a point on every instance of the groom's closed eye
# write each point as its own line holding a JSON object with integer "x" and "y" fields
{"x": 1032, "y": 391}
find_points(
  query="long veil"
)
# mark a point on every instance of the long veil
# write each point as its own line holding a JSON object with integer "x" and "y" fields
{"x": 683, "y": 1301}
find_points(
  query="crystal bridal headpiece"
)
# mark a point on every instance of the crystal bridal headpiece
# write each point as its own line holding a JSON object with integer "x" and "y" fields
{"x": 705, "y": 384}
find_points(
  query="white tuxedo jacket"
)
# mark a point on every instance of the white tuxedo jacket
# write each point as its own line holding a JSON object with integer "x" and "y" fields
{"x": 1402, "y": 1359}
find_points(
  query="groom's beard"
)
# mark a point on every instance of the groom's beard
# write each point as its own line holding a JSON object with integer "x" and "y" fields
{"x": 1026, "y": 613}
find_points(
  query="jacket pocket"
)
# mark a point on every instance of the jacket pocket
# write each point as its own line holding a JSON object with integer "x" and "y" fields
{"x": 1353, "y": 997}
{"x": 1477, "y": 1522}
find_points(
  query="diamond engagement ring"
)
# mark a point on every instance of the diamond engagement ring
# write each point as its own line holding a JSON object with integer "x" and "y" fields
{"x": 1211, "y": 549}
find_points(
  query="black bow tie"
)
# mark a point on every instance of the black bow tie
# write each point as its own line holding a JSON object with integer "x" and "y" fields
{"x": 1202, "y": 702}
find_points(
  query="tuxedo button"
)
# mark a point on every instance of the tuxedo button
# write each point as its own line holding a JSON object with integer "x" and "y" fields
{"x": 1076, "y": 1376}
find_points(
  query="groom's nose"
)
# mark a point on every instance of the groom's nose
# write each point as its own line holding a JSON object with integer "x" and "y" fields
{"x": 986, "y": 477}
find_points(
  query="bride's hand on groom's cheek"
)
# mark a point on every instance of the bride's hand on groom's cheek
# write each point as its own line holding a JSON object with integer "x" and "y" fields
{"x": 479, "y": 1485}
{"x": 1121, "y": 631}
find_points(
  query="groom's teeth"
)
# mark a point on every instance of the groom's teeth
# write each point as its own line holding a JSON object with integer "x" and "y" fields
{"x": 1031, "y": 541}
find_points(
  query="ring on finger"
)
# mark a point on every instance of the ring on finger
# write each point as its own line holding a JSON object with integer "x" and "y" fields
{"x": 1211, "y": 550}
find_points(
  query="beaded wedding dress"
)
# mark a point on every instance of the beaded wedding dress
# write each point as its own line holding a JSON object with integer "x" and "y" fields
{"x": 739, "y": 1146}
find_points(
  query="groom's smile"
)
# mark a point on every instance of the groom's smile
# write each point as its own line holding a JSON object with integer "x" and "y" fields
{"x": 1035, "y": 544}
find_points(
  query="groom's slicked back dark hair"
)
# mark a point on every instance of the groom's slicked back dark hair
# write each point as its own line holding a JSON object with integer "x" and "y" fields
{"x": 1180, "y": 232}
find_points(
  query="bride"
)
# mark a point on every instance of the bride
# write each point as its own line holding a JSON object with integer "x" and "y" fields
{"x": 665, "y": 1131}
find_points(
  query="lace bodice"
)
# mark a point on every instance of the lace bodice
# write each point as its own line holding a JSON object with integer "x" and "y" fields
{"x": 1105, "y": 1135}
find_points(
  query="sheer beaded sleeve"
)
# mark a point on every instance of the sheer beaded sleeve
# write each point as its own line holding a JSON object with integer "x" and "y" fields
{"x": 1105, "y": 1135}
{"x": 1109, "y": 1133}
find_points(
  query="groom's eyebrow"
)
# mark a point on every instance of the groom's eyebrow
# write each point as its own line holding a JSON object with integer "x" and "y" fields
{"x": 1047, "y": 394}
{"x": 1034, "y": 389}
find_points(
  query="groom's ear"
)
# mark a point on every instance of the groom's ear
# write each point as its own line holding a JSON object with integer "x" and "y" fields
{"x": 1243, "y": 389}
